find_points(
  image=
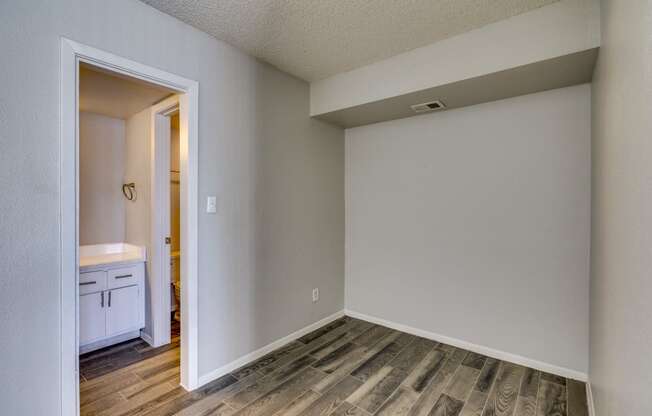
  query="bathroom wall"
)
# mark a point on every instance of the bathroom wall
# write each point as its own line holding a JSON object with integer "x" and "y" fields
{"x": 474, "y": 224}
{"x": 278, "y": 176}
{"x": 621, "y": 265}
{"x": 101, "y": 164}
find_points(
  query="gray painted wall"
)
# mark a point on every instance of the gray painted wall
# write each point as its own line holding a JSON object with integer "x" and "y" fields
{"x": 101, "y": 166}
{"x": 278, "y": 176}
{"x": 474, "y": 224}
{"x": 621, "y": 261}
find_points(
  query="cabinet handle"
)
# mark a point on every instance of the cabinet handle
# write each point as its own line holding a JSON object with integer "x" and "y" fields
{"x": 109, "y": 299}
{"x": 102, "y": 301}
{"x": 87, "y": 283}
{"x": 123, "y": 276}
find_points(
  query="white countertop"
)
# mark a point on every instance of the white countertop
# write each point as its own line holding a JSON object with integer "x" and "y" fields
{"x": 107, "y": 254}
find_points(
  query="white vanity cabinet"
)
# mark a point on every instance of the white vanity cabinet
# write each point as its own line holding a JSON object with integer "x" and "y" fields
{"x": 111, "y": 304}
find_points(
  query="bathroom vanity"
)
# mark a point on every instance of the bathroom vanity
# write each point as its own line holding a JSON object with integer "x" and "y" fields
{"x": 111, "y": 294}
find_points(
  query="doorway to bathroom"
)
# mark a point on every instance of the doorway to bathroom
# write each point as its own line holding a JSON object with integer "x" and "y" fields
{"x": 103, "y": 282}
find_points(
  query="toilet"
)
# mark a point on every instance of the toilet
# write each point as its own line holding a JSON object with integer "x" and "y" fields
{"x": 175, "y": 276}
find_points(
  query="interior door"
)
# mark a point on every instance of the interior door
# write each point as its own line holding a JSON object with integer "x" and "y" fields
{"x": 92, "y": 325}
{"x": 122, "y": 313}
{"x": 160, "y": 259}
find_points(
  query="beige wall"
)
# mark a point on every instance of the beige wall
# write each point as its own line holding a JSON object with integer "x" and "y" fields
{"x": 621, "y": 258}
{"x": 101, "y": 165}
{"x": 474, "y": 224}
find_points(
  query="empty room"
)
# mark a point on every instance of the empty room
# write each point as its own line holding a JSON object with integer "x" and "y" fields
{"x": 326, "y": 207}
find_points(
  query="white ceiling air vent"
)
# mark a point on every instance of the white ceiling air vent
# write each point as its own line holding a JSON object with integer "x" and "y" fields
{"x": 429, "y": 106}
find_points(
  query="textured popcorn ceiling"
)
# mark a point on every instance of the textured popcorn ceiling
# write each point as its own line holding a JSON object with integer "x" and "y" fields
{"x": 314, "y": 39}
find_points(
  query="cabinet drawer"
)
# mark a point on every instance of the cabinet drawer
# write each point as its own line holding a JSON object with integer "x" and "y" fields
{"x": 125, "y": 276}
{"x": 91, "y": 282}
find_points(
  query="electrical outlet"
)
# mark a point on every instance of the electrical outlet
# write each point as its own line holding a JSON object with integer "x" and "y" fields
{"x": 315, "y": 294}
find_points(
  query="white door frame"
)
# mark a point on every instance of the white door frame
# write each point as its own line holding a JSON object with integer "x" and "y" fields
{"x": 71, "y": 54}
{"x": 160, "y": 215}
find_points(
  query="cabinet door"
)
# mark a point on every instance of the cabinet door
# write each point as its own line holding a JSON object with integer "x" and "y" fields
{"x": 122, "y": 312}
{"x": 92, "y": 325}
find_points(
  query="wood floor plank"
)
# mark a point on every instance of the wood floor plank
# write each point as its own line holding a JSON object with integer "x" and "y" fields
{"x": 372, "y": 336}
{"x": 329, "y": 346}
{"x": 267, "y": 383}
{"x": 474, "y": 360}
{"x": 527, "y": 398}
{"x": 445, "y": 348}
{"x": 210, "y": 405}
{"x": 358, "y": 355}
{"x": 375, "y": 391}
{"x": 551, "y": 400}
{"x": 401, "y": 366}
{"x": 100, "y": 390}
{"x": 106, "y": 402}
{"x": 285, "y": 393}
{"x": 474, "y": 404}
{"x": 462, "y": 383}
{"x": 350, "y": 333}
{"x": 458, "y": 355}
{"x": 306, "y": 339}
{"x": 447, "y": 406}
{"x": 347, "y": 409}
{"x": 151, "y": 372}
{"x": 503, "y": 395}
{"x": 376, "y": 362}
{"x": 143, "y": 386}
{"x": 525, "y": 406}
{"x": 211, "y": 394}
{"x": 410, "y": 356}
{"x": 333, "y": 398}
{"x": 140, "y": 403}
{"x": 146, "y": 408}
{"x": 334, "y": 360}
{"x": 298, "y": 405}
{"x": 166, "y": 356}
{"x": 487, "y": 375}
{"x": 316, "y": 343}
{"x": 354, "y": 359}
{"x": 431, "y": 393}
{"x": 404, "y": 339}
{"x": 424, "y": 371}
{"x": 553, "y": 378}
{"x": 577, "y": 403}
{"x": 399, "y": 403}
{"x": 530, "y": 383}
{"x": 266, "y": 360}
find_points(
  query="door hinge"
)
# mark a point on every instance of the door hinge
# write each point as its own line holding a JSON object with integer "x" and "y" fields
{"x": 168, "y": 240}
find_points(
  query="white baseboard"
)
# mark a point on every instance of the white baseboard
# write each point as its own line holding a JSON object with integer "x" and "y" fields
{"x": 252, "y": 356}
{"x": 480, "y": 349}
{"x": 589, "y": 399}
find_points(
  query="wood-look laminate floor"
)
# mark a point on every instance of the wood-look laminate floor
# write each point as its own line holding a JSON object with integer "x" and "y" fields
{"x": 348, "y": 367}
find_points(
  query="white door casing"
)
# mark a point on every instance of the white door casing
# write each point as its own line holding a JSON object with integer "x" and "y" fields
{"x": 71, "y": 54}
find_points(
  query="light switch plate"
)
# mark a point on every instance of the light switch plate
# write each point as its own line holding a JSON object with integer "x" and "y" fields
{"x": 211, "y": 204}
